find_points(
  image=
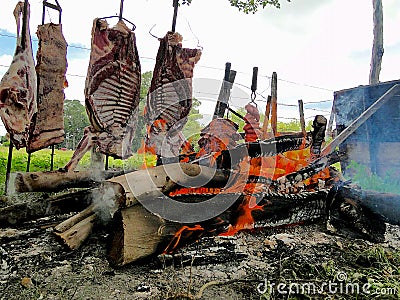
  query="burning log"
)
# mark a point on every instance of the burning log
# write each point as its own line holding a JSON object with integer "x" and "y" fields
{"x": 138, "y": 233}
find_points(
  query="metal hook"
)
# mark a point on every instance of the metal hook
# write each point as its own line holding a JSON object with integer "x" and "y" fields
{"x": 254, "y": 86}
{"x": 133, "y": 25}
{"x": 53, "y": 6}
{"x": 154, "y": 36}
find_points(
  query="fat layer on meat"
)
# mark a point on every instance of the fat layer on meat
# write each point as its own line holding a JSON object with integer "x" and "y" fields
{"x": 51, "y": 68}
{"x": 18, "y": 85}
{"x": 170, "y": 96}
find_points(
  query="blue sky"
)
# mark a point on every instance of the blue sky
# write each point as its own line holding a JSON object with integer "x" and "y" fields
{"x": 315, "y": 46}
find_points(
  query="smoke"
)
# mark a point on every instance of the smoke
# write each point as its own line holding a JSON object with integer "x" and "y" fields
{"x": 105, "y": 202}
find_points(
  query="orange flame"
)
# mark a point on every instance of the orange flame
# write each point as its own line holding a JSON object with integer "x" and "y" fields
{"x": 245, "y": 218}
{"x": 173, "y": 244}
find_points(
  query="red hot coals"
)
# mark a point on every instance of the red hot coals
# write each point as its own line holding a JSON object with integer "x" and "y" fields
{"x": 170, "y": 96}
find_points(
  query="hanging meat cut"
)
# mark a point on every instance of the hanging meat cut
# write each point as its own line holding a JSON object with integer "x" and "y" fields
{"x": 51, "y": 68}
{"x": 112, "y": 92}
{"x": 18, "y": 85}
{"x": 170, "y": 96}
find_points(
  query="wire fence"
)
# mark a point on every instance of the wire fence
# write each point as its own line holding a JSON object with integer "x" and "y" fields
{"x": 212, "y": 97}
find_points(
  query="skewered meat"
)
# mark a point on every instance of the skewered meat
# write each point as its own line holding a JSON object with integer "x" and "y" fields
{"x": 170, "y": 96}
{"x": 112, "y": 92}
{"x": 51, "y": 68}
{"x": 18, "y": 86}
{"x": 220, "y": 134}
{"x": 252, "y": 127}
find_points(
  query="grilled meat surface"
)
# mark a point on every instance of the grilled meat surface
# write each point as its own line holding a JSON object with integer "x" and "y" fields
{"x": 170, "y": 96}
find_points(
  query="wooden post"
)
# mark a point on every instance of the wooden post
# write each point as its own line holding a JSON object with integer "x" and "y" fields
{"x": 8, "y": 171}
{"x": 302, "y": 120}
{"x": 266, "y": 118}
{"x": 274, "y": 104}
{"x": 224, "y": 93}
{"x": 377, "y": 47}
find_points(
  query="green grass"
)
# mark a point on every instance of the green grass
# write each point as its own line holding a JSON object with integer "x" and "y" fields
{"x": 386, "y": 184}
{"x": 41, "y": 161}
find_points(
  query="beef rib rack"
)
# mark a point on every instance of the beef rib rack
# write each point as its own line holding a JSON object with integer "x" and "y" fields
{"x": 112, "y": 92}
{"x": 170, "y": 96}
{"x": 18, "y": 85}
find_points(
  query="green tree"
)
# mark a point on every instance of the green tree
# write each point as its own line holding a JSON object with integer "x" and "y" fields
{"x": 75, "y": 120}
{"x": 248, "y": 6}
{"x": 141, "y": 126}
{"x": 192, "y": 127}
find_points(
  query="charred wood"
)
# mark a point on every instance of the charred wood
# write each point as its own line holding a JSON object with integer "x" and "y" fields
{"x": 386, "y": 205}
{"x": 318, "y": 134}
{"x": 353, "y": 213}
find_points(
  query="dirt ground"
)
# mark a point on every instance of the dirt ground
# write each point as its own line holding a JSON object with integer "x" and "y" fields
{"x": 250, "y": 265}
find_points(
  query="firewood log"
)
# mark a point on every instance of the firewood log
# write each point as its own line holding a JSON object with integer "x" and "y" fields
{"x": 55, "y": 181}
{"x": 14, "y": 215}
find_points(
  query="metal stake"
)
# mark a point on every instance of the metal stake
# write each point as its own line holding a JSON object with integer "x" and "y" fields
{"x": 8, "y": 171}
{"x": 52, "y": 158}
{"x": 175, "y": 4}
{"x": 28, "y": 164}
{"x": 121, "y": 9}
{"x": 106, "y": 167}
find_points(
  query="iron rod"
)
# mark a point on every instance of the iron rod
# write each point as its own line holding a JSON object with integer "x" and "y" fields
{"x": 175, "y": 4}
{"x": 28, "y": 164}
{"x": 52, "y": 158}
{"x": 121, "y": 9}
{"x": 8, "y": 171}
